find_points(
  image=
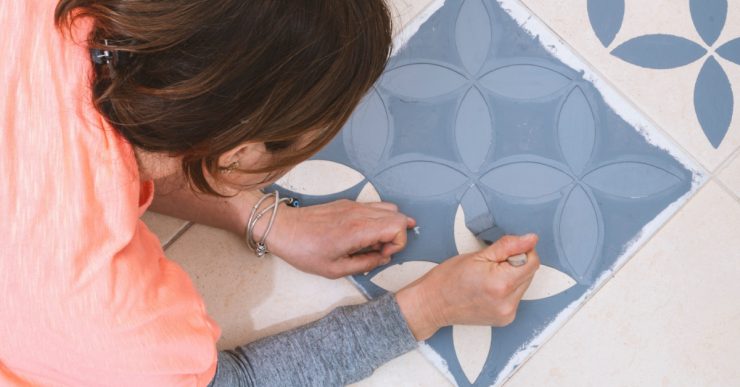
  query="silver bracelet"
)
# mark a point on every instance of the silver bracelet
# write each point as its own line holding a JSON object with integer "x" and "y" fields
{"x": 260, "y": 248}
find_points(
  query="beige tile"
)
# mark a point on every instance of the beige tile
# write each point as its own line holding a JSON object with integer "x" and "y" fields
{"x": 730, "y": 175}
{"x": 666, "y": 96}
{"x": 669, "y": 317}
{"x": 409, "y": 370}
{"x": 163, "y": 226}
{"x": 249, "y": 297}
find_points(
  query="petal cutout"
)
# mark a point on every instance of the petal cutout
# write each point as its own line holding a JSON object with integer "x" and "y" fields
{"x": 422, "y": 80}
{"x": 465, "y": 240}
{"x": 659, "y": 51}
{"x": 547, "y": 282}
{"x": 368, "y": 195}
{"x": 730, "y": 51}
{"x": 576, "y": 130}
{"x": 709, "y": 18}
{"x": 473, "y": 35}
{"x": 578, "y": 231}
{"x": 631, "y": 179}
{"x": 396, "y": 277}
{"x": 713, "y": 101}
{"x": 473, "y": 129}
{"x": 368, "y": 132}
{"x": 524, "y": 81}
{"x": 320, "y": 177}
{"x": 606, "y": 18}
{"x": 421, "y": 178}
{"x": 526, "y": 179}
{"x": 472, "y": 345}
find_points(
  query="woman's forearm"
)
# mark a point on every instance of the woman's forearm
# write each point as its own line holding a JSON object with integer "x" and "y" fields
{"x": 341, "y": 348}
{"x": 174, "y": 197}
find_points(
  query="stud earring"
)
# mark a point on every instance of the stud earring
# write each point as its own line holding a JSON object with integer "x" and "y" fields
{"x": 233, "y": 166}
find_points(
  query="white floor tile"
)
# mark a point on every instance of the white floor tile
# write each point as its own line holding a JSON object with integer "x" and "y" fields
{"x": 669, "y": 317}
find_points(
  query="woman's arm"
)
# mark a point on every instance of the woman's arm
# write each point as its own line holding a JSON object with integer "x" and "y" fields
{"x": 344, "y": 347}
{"x": 319, "y": 239}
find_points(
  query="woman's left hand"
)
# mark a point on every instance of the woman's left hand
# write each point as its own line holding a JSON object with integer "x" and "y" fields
{"x": 339, "y": 238}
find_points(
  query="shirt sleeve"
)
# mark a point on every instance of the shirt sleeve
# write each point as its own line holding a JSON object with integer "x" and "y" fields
{"x": 344, "y": 347}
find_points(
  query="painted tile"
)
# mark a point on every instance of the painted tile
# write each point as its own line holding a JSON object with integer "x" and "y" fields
{"x": 488, "y": 130}
{"x": 668, "y": 318}
{"x": 679, "y": 61}
{"x": 409, "y": 370}
{"x": 404, "y": 11}
{"x": 164, "y": 227}
{"x": 730, "y": 175}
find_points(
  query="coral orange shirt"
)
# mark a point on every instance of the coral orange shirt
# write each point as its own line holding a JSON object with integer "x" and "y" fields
{"x": 87, "y": 296}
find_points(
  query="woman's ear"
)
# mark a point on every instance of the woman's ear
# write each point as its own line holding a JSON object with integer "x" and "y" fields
{"x": 248, "y": 154}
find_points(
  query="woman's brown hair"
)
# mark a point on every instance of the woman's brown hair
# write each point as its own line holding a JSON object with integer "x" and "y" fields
{"x": 196, "y": 78}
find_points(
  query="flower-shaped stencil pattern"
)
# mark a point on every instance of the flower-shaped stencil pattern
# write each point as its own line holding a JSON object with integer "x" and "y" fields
{"x": 473, "y": 124}
{"x": 713, "y": 96}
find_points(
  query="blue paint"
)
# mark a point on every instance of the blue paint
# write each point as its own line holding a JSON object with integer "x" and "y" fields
{"x": 659, "y": 51}
{"x": 713, "y": 101}
{"x": 730, "y": 51}
{"x": 475, "y": 112}
{"x": 606, "y": 18}
{"x": 709, "y": 18}
{"x": 713, "y": 97}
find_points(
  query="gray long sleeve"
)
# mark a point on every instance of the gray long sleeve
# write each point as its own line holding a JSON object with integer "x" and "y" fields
{"x": 344, "y": 347}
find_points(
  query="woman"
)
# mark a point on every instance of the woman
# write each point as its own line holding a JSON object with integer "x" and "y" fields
{"x": 209, "y": 101}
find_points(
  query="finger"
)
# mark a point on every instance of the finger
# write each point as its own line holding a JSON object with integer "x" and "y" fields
{"x": 507, "y": 246}
{"x": 524, "y": 273}
{"x": 393, "y": 235}
{"x": 518, "y": 293}
{"x": 410, "y": 222}
{"x": 363, "y": 263}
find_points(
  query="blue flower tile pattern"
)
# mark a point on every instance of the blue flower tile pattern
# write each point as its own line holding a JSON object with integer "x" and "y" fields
{"x": 713, "y": 96}
{"x": 475, "y": 112}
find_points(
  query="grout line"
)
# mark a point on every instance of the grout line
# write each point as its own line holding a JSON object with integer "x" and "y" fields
{"x": 727, "y": 161}
{"x": 177, "y": 235}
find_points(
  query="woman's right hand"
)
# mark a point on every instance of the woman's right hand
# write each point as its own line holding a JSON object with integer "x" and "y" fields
{"x": 473, "y": 289}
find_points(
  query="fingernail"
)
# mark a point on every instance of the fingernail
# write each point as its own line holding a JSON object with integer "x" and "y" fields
{"x": 531, "y": 235}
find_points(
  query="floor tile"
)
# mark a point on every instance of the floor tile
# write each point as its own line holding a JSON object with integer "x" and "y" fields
{"x": 666, "y": 95}
{"x": 405, "y": 10}
{"x": 474, "y": 114}
{"x": 669, "y": 317}
{"x": 730, "y": 175}
{"x": 409, "y": 370}
{"x": 164, "y": 227}
{"x": 249, "y": 297}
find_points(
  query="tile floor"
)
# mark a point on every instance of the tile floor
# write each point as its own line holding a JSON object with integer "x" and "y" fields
{"x": 669, "y": 317}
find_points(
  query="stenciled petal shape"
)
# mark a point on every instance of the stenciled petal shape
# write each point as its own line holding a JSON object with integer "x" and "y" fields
{"x": 524, "y": 81}
{"x": 465, "y": 240}
{"x": 422, "y": 80}
{"x": 730, "y": 51}
{"x": 320, "y": 177}
{"x": 576, "y": 130}
{"x": 420, "y": 178}
{"x": 659, "y": 51}
{"x": 709, "y": 18}
{"x": 547, "y": 282}
{"x": 526, "y": 179}
{"x": 368, "y": 194}
{"x": 368, "y": 132}
{"x": 473, "y": 129}
{"x": 473, "y": 35}
{"x": 713, "y": 101}
{"x": 579, "y": 231}
{"x": 606, "y": 18}
{"x": 631, "y": 180}
{"x": 472, "y": 346}
{"x": 396, "y": 277}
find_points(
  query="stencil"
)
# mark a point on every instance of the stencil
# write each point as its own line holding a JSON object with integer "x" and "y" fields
{"x": 475, "y": 121}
